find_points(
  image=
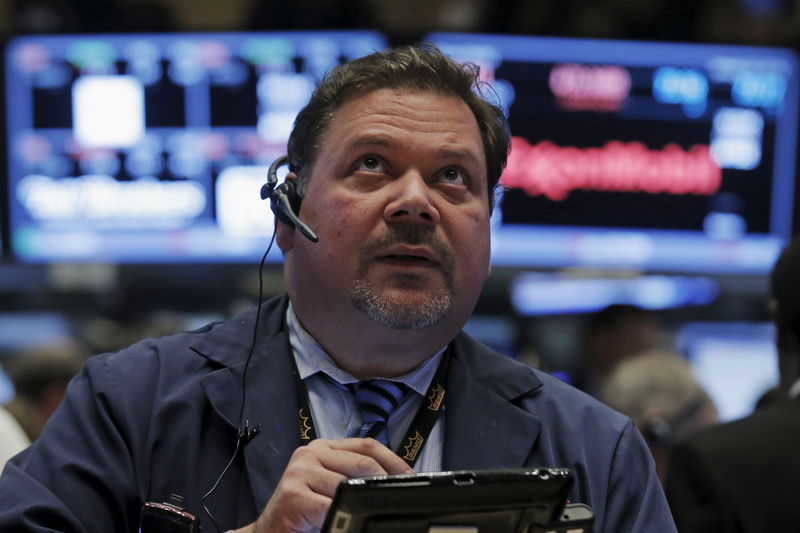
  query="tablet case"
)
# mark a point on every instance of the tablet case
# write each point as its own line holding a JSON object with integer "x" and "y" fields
{"x": 468, "y": 501}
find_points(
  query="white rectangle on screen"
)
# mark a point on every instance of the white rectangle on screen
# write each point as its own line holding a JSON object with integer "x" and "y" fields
{"x": 735, "y": 362}
{"x": 108, "y": 111}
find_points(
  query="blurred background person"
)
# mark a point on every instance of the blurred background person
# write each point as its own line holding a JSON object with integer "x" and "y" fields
{"x": 742, "y": 476}
{"x": 612, "y": 335}
{"x": 771, "y": 396}
{"x": 40, "y": 377}
{"x": 658, "y": 390}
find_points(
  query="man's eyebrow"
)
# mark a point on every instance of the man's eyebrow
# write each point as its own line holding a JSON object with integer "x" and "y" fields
{"x": 460, "y": 153}
{"x": 445, "y": 153}
{"x": 372, "y": 140}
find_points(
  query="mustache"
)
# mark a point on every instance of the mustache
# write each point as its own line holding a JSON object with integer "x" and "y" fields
{"x": 411, "y": 234}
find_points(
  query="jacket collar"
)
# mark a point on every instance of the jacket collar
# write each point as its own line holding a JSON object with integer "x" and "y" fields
{"x": 228, "y": 343}
{"x": 489, "y": 386}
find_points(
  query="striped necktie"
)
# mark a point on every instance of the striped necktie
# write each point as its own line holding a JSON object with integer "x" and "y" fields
{"x": 376, "y": 400}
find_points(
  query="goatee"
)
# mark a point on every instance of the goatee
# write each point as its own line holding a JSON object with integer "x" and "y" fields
{"x": 401, "y": 311}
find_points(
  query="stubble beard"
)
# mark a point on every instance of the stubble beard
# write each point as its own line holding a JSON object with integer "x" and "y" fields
{"x": 401, "y": 312}
{"x": 409, "y": 305}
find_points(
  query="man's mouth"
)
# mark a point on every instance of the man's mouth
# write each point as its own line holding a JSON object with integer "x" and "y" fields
{"x": 407, "y": 259}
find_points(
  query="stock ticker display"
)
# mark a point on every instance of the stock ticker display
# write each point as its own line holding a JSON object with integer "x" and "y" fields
{"x": 659, "y": 156}
{"x": 153, "y": 148}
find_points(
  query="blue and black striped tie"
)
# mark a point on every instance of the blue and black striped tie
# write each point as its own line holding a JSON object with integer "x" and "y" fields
{"x": 376, "y": 400}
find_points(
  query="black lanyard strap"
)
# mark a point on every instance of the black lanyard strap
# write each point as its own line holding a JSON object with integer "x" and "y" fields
{"x": 421, "y": 426}
{"x": 428, "y": 413}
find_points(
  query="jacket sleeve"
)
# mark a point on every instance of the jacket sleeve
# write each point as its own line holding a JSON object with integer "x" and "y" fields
{"x": 79, "y": 476}
{"x": 692, "y": 494}
{"x": 636, "y": 501}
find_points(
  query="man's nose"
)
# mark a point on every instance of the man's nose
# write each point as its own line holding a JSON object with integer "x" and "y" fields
{"x": 412, "y": 201}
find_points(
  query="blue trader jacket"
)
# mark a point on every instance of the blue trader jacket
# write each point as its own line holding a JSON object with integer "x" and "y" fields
{"x": 161, "y": 417}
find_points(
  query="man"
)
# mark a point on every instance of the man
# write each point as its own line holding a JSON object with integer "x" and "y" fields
{"x": 396, "y": 157}
{"x": 742, "y": 476}
{"x": 40, "y": 376}
{"x": 658, "y": 390}
{"x": 613, "y": 335}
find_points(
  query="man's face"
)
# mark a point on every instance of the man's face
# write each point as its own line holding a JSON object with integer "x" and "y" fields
{"x": 398, "y": 197}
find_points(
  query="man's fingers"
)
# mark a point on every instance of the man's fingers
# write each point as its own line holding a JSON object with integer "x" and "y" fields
{"x": 322, "y": 464}
{"x": 314, "y": 508}
{"x": 308, "y": 484}
{"x": 380, "y": 460}
{"x": 292, "y": 508}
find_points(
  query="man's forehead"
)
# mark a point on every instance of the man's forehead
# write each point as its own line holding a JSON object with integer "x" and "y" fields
{"x": 399, "y": 90}
{"x": 376, "y": 105}
{"x": 388, "y": 97}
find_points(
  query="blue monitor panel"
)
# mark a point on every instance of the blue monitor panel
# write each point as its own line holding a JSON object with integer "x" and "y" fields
{"x": 651, "y": 156}
{"x": 735, "y": 362}
{"x": 152, "y": 148}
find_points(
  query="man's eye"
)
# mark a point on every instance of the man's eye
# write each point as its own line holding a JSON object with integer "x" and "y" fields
{"x": 453, "y": 175}
{"x": 371, "y": 164}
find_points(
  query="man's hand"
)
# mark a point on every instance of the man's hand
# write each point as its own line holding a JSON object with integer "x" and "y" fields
{"x": 305, "y": 490}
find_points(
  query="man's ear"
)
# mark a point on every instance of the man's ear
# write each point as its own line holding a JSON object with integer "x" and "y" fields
{"x": 285, "y": 233}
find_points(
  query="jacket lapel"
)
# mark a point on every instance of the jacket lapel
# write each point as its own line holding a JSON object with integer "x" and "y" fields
{"x": 273, "y": 405}
{"x": 484, "y": 429}
{"x": 271, "y": 395}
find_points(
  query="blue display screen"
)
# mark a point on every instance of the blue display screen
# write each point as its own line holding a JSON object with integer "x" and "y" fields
{"x": 152, "y": 148}
{"x": 649, "y": 156}
{"x": 735, "y": 362}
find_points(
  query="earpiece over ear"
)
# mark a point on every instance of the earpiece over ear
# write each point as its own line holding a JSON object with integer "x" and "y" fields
{"x": 285, "y": 200}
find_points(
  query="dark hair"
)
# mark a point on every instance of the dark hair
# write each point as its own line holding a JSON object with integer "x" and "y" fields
{"x": 422, "y": 67}
{"x": 616, "y": 315}
{"x": 33, "y": 372}
{"x": 785, "y": 290}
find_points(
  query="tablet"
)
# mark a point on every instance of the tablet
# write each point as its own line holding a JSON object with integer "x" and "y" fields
{"x": 467, "y": 501}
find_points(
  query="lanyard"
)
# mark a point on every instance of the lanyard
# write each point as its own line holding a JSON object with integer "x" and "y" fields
{"x": 420, "y": 428}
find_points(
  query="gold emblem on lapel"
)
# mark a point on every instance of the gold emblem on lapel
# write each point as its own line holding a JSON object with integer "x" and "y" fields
{"x": 436, "y": 398}
{"x": 304, "y": 427}
{"x": 413, "y": 446}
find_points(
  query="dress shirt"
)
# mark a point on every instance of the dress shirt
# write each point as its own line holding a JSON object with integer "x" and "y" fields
{"x": 333, "y": 406}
